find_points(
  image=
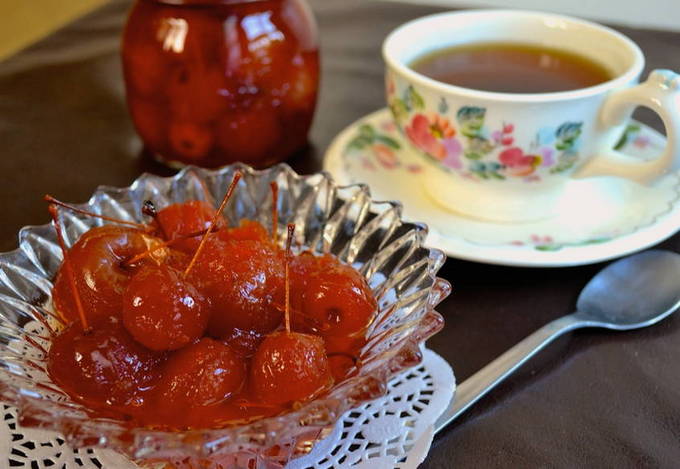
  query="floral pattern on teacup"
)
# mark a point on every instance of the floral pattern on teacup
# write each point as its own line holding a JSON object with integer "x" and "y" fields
{"x": 632, "y": 136}
{"x": 381, "y": 146}
{"x": 465, "y": 145}
{"x": 547, "y": 242}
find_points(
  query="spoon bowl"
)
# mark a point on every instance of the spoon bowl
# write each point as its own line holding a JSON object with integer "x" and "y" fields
{"x": 634, "y": 292}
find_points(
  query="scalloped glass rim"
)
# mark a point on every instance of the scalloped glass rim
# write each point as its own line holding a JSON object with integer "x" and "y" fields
{"x": 343, "y": 220}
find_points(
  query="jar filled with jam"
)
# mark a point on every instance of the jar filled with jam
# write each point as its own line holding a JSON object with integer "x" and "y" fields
{"x": 212, "y": 82}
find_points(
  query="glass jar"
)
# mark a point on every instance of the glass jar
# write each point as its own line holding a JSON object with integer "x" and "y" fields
{"x": 211, "y": 82}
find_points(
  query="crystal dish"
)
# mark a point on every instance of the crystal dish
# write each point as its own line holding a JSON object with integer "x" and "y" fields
{"x": 341, "y": 220}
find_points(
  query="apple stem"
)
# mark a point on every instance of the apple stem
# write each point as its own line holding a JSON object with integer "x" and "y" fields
{"x": 69, "y": 270}
{"x": 289, "y": 241}
{"x": 213, "y": 222}
{"x": 164, "y": 244}
{"x": 275, "y": 210}
{"x": 48, "y": 198}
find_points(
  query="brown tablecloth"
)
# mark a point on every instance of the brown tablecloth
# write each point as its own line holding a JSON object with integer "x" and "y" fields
{"x": 593, "y": 399}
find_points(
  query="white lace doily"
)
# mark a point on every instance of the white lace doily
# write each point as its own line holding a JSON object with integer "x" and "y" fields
{"x": 391, "y": 432}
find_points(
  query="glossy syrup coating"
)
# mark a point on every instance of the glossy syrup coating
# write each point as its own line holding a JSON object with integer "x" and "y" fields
{"x": 247, "y": 230}
{"x": 244, "y": 281}
{"x": 162, "y": 310}
{"x": 289, "y": 367}
{"x": 202, "y": 374}
{"x": 101, "y": 277}
{"x": 330, "y": 298}
{"x": 186, "y": 218}
{"x": 244, "y": 342}
{"x": 104, "y": 366}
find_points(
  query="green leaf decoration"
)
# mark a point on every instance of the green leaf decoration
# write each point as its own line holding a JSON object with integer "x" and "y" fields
{"x": 471, "y": 155}
{"x": 413, "y": 99}
{"x": 358, "y": 143}
{"x": 399, "y": 109}
{"x": 557, "y": 247}
{"x": 443, "y": 106}
{"x": 367, "y": 131}
{"x": 631, "y": 129}
{"x": 603, "y": 239}
{"x": 549, "y": 247}
{"x": 352, "y": 145}
{"x": 367, "y": 136}
{"x": 390, "y": 142}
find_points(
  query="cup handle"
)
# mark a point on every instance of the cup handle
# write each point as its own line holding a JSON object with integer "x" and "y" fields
{"x": 661, "y": 93}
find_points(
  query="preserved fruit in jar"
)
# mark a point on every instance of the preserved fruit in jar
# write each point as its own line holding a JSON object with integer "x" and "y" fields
{"x": 212, "y": 82}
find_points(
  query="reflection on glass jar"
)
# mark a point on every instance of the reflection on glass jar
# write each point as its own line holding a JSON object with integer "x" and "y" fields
{"x": 211, "y": 82}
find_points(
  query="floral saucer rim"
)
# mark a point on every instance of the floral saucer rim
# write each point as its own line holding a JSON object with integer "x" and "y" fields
{"x": 393, "y": 155}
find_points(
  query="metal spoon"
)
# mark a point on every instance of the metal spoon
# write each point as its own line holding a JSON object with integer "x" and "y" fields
{"x": 635, "y": 292}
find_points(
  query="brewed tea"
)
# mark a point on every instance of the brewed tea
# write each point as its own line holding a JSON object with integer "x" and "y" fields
{"x": 511, "y": 68}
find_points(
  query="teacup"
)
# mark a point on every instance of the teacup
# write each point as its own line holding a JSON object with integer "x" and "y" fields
{"x": 509, "y": 157}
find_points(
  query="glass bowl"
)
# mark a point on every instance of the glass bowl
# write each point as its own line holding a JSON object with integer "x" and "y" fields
{"x": 341, "y": 220}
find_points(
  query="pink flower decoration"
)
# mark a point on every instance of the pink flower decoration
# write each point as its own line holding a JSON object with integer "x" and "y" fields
{"x": 496, "y": 136}
{"x": 366, "y": 164}
{"x": 548, "y": 156}
{"x": 518, "y": 163}
{"x": 388, "y": 126}
{"x": 390, "y": 86}
{"x": 641, "y": 142}
{"x": 536, "y": 239}
{"x": 508, "y": 140}
{"x": 419, "y": 134}
{"x": 512, "y": 157}
{"x": 453, "y": 151}
{"x": 385, "y": 156}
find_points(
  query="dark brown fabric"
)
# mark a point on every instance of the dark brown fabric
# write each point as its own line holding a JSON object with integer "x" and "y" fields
{"x": 593, "y": 399}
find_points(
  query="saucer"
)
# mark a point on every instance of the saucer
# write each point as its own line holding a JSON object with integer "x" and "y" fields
{"x": 606, "y": 218}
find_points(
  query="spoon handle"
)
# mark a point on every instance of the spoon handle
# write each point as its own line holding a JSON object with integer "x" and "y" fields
{"x": 477, "y": 385}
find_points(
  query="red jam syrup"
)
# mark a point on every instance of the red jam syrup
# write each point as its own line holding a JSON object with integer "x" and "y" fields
{"x": 219, "y": 335}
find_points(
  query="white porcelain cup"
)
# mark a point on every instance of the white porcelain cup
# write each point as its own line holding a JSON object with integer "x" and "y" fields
{"x": 509, "y": 157}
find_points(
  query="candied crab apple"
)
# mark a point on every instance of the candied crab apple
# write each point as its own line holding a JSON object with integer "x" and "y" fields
{"x": 247, "y": 135}
{"x": 247, "y": 230}
{"x": 244, "y": 280}
{"x": 101, "y": 275}
{"x": 289, "y": 367}
{"x": 189, "y": 140}
{"x": 184, "y": 219}
{"x": 162, "y": 310}
{"x": 202, "y": 374}
{"x": 105, "y": 365}
{"x": 332, "y": 299}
